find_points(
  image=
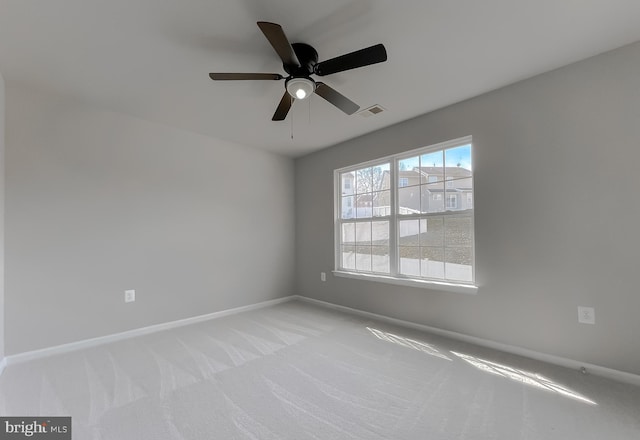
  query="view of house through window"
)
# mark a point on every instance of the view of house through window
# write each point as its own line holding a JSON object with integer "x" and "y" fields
{"x": 409, "y": 215}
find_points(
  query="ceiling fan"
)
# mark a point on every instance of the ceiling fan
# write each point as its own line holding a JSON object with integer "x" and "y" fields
{"x": 300, "y": 61}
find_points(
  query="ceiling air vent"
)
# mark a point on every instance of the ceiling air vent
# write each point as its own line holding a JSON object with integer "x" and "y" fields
{"x": 371, "y": 111}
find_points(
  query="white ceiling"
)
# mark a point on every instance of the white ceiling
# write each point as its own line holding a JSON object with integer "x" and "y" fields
{"x": 151, "y": 58}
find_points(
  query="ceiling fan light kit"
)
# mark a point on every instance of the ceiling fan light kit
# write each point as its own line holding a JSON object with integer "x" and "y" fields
{"x": 300, "y": 88}
{"x": 300, "y": 61}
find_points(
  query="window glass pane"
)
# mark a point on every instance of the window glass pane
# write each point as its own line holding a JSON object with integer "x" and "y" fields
{"x": 432, "y": 262}
{"x": 382, "y": 204}
{"x": 348, "y": 233}
{"x": 458, "y": 263}
{"x": 409, "y": 200}
{"x": 409, "y": 178}
{"x": 431, "y": 166}
{"x": 459, "y": 247}
{"x": 432, "y": 161}
{"x": 348, "y": 257}
{"x": 452, "y": 201}
{"x": 432, "y": 197}
{"x": 459, "y": 179}
{"x": 408, "y": 164}
{"x": 408, "y": 231}
{"x": 347, "y": 183}
{"x": 363, "y": 258}
{"x": 432, "y": 231}
{"x": 347, "y": 207}
{"x": 363, "y": 233}
{"x": 380, "y": 176}
{"x": 380, "y": 259}
{"x": 409, "y": 260}
{"x": 458, "y": 256}
{"x": 364, "y": 205}
{"x": 458, "y": 231}
{"x": 380, "y": 233}
{"x": 458, "y": 157}
{"x": 364, "y": 180}
{"x": 468, "y": 200}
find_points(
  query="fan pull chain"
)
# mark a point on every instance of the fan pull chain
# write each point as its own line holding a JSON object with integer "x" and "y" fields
{"x": 291, "y": 113}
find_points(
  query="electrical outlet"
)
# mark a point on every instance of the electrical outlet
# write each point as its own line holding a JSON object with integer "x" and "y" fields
{"x": 129, "y": 296}
{"x": 323, "y": 276}
{"x": 586, "y": 315}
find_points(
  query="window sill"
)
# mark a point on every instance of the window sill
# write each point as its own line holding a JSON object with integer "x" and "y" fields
{"x": 424, "y": 284}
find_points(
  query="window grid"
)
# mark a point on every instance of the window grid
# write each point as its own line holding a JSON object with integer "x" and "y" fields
{"x": 408, "y": 250}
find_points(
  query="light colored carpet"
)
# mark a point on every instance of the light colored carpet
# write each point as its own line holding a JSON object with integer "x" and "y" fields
{"x": 298, "y": 371}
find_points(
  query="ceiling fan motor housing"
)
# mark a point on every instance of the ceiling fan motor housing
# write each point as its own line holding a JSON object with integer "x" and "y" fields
{"x": 308, "y": 58}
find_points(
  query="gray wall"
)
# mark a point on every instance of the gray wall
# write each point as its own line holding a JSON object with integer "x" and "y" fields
{"x": 2, "y": 152}
{"x": 100, "y": 202}
{"x": 556, "y": 164}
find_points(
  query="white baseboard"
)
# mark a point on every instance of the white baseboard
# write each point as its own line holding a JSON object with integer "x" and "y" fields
{"x": 621, "y": 376}
{"x": 87, "y": 343}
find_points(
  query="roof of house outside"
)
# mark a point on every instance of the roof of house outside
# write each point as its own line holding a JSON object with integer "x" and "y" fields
{"x": 449, "y": 171}
{"x": 408, "y": 173}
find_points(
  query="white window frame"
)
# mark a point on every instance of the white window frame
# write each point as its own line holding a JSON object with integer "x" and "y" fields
{"x": 395, "y": 277}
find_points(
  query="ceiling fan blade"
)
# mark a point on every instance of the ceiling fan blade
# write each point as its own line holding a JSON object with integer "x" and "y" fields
{"x": 336, "y": 98}
{"x": 280, "y": 42}
{"x": 283, "y": 108}
{"x": 359, "y": 58}
{"x": 244, "y": 76}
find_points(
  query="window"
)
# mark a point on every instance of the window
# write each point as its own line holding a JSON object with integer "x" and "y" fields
{"x": 416, "y": 227}
{"x": 452, "y": 201}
